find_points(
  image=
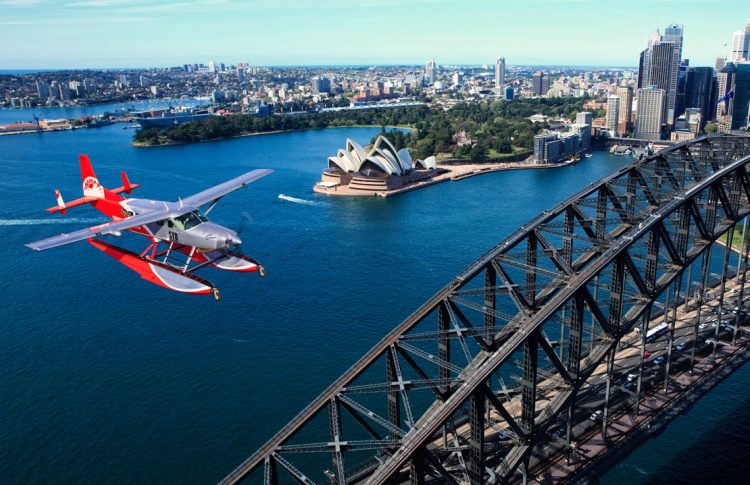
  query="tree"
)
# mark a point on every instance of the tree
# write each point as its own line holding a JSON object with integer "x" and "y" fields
{"x": 711, "y": 128}
{"x": 478, "y": 153}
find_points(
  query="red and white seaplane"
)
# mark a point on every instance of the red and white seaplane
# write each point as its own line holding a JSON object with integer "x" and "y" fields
{"x": 191, "y": 241}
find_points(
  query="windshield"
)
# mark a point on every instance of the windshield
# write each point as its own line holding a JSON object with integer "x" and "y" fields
{"x": 189, "y": 220}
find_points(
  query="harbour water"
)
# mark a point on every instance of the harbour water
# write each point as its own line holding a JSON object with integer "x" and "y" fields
{"x": 106, "y": 378}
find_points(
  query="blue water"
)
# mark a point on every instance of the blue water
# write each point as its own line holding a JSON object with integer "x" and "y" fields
{"x": 106, "y": 378}
{"x": 13, "y": 115}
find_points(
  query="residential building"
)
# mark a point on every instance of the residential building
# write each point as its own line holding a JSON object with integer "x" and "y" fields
{"x": 499, "y": 72}
{"x": 650, "y": 113}
{"x": 625, "y": 93}
{"x": 613, "y": 114}
{"x": 584, "y": 118}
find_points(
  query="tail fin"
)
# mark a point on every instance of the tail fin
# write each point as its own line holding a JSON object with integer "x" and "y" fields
{"x": 91, "y": 185}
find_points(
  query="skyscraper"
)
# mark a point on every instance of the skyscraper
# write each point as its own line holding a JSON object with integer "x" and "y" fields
{"x": 430, "y": 71}
{"x": 613, "y": 114}
{"x": 649, "y": 115}
{"x": 741, "y": 45}
{"x": 539, "y": 84}
{"x": 724, "y": 86}
{"x": 499, "y": 72}
{"x": 42, "y": 88}
{"x": 700, "y": 92}
{"x": 584, "y": 118}
{"x": 673, "y": 35}
{"x": 626, "y": 106}
{"x": 741, "y": 108}
{"x": 720, "y": 63}
{"x": 660, "y": 73}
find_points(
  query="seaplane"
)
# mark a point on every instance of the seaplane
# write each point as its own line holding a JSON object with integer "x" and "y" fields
{"x": 181, "y": 238}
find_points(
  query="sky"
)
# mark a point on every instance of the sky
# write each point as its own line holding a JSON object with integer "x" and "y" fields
{"x": 58, "y": 34}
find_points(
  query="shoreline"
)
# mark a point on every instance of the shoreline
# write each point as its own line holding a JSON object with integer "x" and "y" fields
{"x": 140, "y": 144}
{"x": 451, "y": 173}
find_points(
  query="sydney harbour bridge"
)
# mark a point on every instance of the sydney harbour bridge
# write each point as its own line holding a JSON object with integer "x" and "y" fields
{"x": 557, "y": 351}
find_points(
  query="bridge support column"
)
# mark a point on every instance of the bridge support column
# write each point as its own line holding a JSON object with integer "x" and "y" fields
{"x": 722, "y": 288}
{"x": 270, "y": 476}
{"x": 417, "y": 468}
{"x": 607, "y": 391}
{"x": 644, "y": 330}
{"x": 476, "y": 439}
{"x": 700, "y": 290}
{"x": 744, "y": 250}
{"x": 575, "y": 341}
{"x": 394, "y": 404}
{"x": 528, "y": 395}
{"x": 490, "y": 280}
{"x": 670, "y": 339}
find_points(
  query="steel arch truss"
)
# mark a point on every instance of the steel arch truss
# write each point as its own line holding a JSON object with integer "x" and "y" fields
{"x": 468, "y": 385}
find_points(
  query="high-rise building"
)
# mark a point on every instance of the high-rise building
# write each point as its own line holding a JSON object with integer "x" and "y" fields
{"x": 584, "y": 118}
{"x": 660, "y": 73}
{"x": 212, "y": 66}
{"x": 508, "y": 92}
{"x": 700, "y": 91}
{"x": 124, "y": 80}
{"x": 539, "y": 84}
{"x": 430, "y": 72}
{"x": 724, "y": 94}
{"x": 741, "y": 108}
{"x": 682, "y": 73}
{"x": 584, "y": 135}
{"x": 741, "y": 45}
{"x": 64, "y": 92}
{"x": 720, "y": 63}
{"x": 625, "y": 93}
{"x": 42, "y": 88}
{"x": 613, "y": 114}
{"x": 457, "y": 79}
{"x": 650, "y": 113}
{"x": 321, "y": 84}
{"x": 673, "y": 35}
{"x": 499, "y": 72}
{"x": 240, "y": 75}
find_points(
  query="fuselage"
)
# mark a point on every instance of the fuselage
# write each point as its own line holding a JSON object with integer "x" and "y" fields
{"x": 185, "y": 225}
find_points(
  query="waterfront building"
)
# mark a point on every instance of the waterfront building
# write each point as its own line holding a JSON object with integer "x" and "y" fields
{"x": 380, "y": 168}
{"x": 613, "y": 114}
{"x": 64, "y": 91}
{"x": 555, "y": 147}
{"x": 625, "y": 93}
{"x": 650, "y": 113}
{"x": 584, "y": 135}
{"x": 741, "y": 105}
{"x": 42, "y": 88}
{"x": 499, "y": 72}
{"x": 584, "y": 118}
{"x": 700, "y": 92}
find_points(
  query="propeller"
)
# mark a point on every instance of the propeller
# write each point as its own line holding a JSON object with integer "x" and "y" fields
{"x": 245, "y": 220}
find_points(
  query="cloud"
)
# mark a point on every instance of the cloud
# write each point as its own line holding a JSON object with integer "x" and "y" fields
{"x": 19, "y": 3}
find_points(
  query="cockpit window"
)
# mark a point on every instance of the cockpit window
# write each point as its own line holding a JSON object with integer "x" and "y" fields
{"x": 189, "y": 220}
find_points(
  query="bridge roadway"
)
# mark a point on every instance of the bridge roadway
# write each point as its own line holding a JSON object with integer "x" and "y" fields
{"x": 559, "y": 461}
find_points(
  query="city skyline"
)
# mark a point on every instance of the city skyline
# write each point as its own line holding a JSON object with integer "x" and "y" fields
{"x": 118, "y": 33}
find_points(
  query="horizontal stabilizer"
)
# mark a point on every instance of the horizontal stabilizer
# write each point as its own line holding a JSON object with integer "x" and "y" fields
{"x": 126, "y": 188}
{"x": 74, "y": 203}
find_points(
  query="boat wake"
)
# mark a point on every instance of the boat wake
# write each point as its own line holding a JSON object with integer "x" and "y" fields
{"x": 297, "y": 201}
{"x": 43, "y": 222}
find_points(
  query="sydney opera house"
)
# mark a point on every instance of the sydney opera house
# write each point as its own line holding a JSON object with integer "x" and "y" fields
{"x": 357, "y": 171}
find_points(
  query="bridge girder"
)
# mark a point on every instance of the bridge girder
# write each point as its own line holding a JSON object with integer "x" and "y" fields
{"x": 605, "y": 256}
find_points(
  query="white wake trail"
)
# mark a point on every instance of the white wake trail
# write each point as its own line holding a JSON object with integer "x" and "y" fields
{"x": 296, "y": 200}
{"x": 44, "y": 222}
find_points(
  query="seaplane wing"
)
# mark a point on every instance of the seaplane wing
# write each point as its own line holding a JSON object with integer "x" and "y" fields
{"x": 219, "y": 191}
{"x": 114, "y": 227}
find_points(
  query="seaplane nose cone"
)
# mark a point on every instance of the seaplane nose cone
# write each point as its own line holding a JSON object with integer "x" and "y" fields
{"x": 234, "y": 240}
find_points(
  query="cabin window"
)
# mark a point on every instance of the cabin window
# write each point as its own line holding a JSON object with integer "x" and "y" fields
{"x": 189, "y": 220}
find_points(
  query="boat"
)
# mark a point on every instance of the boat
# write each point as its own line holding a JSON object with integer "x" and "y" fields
{"x": 99, "y": 122}
{"x": 170, "y": 117}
